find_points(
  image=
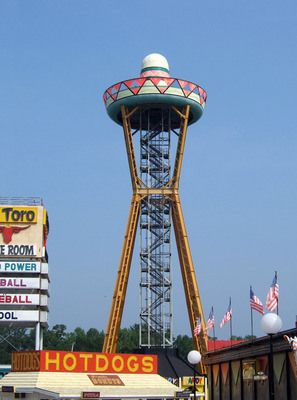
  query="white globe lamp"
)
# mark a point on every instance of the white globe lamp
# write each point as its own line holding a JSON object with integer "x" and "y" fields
{"x": 271, "y": 323}
{"x": 194, "y": 357}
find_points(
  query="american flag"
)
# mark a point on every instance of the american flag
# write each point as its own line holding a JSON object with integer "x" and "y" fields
{"x": 272, "y": 296}
{"x": 197, "y": 328}
{"x": 255, "y": 302}
{"x": 211, "y": 320}
{"x": 228, "y": 315}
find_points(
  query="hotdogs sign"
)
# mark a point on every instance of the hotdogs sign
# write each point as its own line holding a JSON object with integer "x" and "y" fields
{"x": 64, "y": 361}
{"x": 21, "y": 231}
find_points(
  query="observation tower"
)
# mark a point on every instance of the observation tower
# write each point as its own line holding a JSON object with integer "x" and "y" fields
{"x": 155, "y": 111}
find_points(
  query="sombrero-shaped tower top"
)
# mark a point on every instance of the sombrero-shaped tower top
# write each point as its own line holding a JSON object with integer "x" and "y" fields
{"x": 155, "y": 88}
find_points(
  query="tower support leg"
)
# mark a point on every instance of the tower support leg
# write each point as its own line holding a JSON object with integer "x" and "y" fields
{"x": 192, "y": 295}
{"x": 118, "y": 300}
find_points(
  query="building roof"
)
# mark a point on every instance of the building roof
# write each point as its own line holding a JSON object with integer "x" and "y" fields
{"x": 67, "y": 384}
{"x": 220, "y": 344}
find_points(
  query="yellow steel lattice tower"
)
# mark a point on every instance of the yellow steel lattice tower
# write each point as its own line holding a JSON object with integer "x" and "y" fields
{"x": 157, "y": 108}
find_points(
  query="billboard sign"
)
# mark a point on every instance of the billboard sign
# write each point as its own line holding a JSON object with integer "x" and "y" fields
{"x": 21, "y": 231}
{"x": 90, "y": 395}
{"x": 7, "y": 389}
{"x": 106, "y": 380}
{"x": 18, "y": 215}
{"x": 64, "y": 361}
{"x": 13, "y": 299}
{"x": 23, "y": 316}
{"x": 23, "y": 267}
{"x": 23, "y": 283}
{"x": 200, "y": 384}
{"x": 15, "y": 250}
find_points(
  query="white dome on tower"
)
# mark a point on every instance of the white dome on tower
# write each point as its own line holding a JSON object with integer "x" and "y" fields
{"x": 155, "y": 60}
{"x": 154, "y": 65}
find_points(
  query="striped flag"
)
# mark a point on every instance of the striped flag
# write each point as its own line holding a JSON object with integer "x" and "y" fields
{"x": 228, "y": 315}
{"x": 211, "y": 320}
{"x": 273, "y": 294}
{"x": 255, "y": 302}
{"x": 197, "y": 328}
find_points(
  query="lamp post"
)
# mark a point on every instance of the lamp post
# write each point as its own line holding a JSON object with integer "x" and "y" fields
{"x": 271, "y": 324}
{"x": 194, "y": 358}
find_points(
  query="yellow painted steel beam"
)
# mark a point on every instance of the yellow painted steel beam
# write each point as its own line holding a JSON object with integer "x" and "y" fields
{"x": 161, "y": 191}
{"x": 118, "y": 300}
{"x": 193, "y": 299}
{"x": 174, "y": 181}
{"x": 136, "y": 181}
{"x": 130, "y": 113}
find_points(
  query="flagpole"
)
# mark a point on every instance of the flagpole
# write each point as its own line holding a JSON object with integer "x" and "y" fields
{"x": 252, "y": 319}
{"x": 277, "y": 297}
{"x": 214, "y": 337}
{"x": 230, "y": 308}
{"x": 211, "y": 324}
{"x": 252, "y": 324}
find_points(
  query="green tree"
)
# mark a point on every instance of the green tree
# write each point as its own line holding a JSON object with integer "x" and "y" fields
{"x": 79, "y": 340}
{"x": 234, "y": 337}
{"x": 13, "y": 339}
{"x": 184, "y": 345}
{"x": 57, "y": 338}
{"x": 128, "y": 339}
{"x": 249, "y": 337}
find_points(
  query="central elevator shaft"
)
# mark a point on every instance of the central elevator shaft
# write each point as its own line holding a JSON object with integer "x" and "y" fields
{"x": 155, "y": 232}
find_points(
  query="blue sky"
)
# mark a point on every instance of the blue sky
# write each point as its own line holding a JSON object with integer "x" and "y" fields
{"x": 238, "y": 184}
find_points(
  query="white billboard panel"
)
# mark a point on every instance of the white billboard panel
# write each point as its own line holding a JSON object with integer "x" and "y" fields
{"x": 21, "y": 267}
{"x": 21, "y": 231}
{"x": 23, "y": 283}
{"x": 23, "y": 316}
{"x": 23, "y": 299}
{"x": 18, "y": 250}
